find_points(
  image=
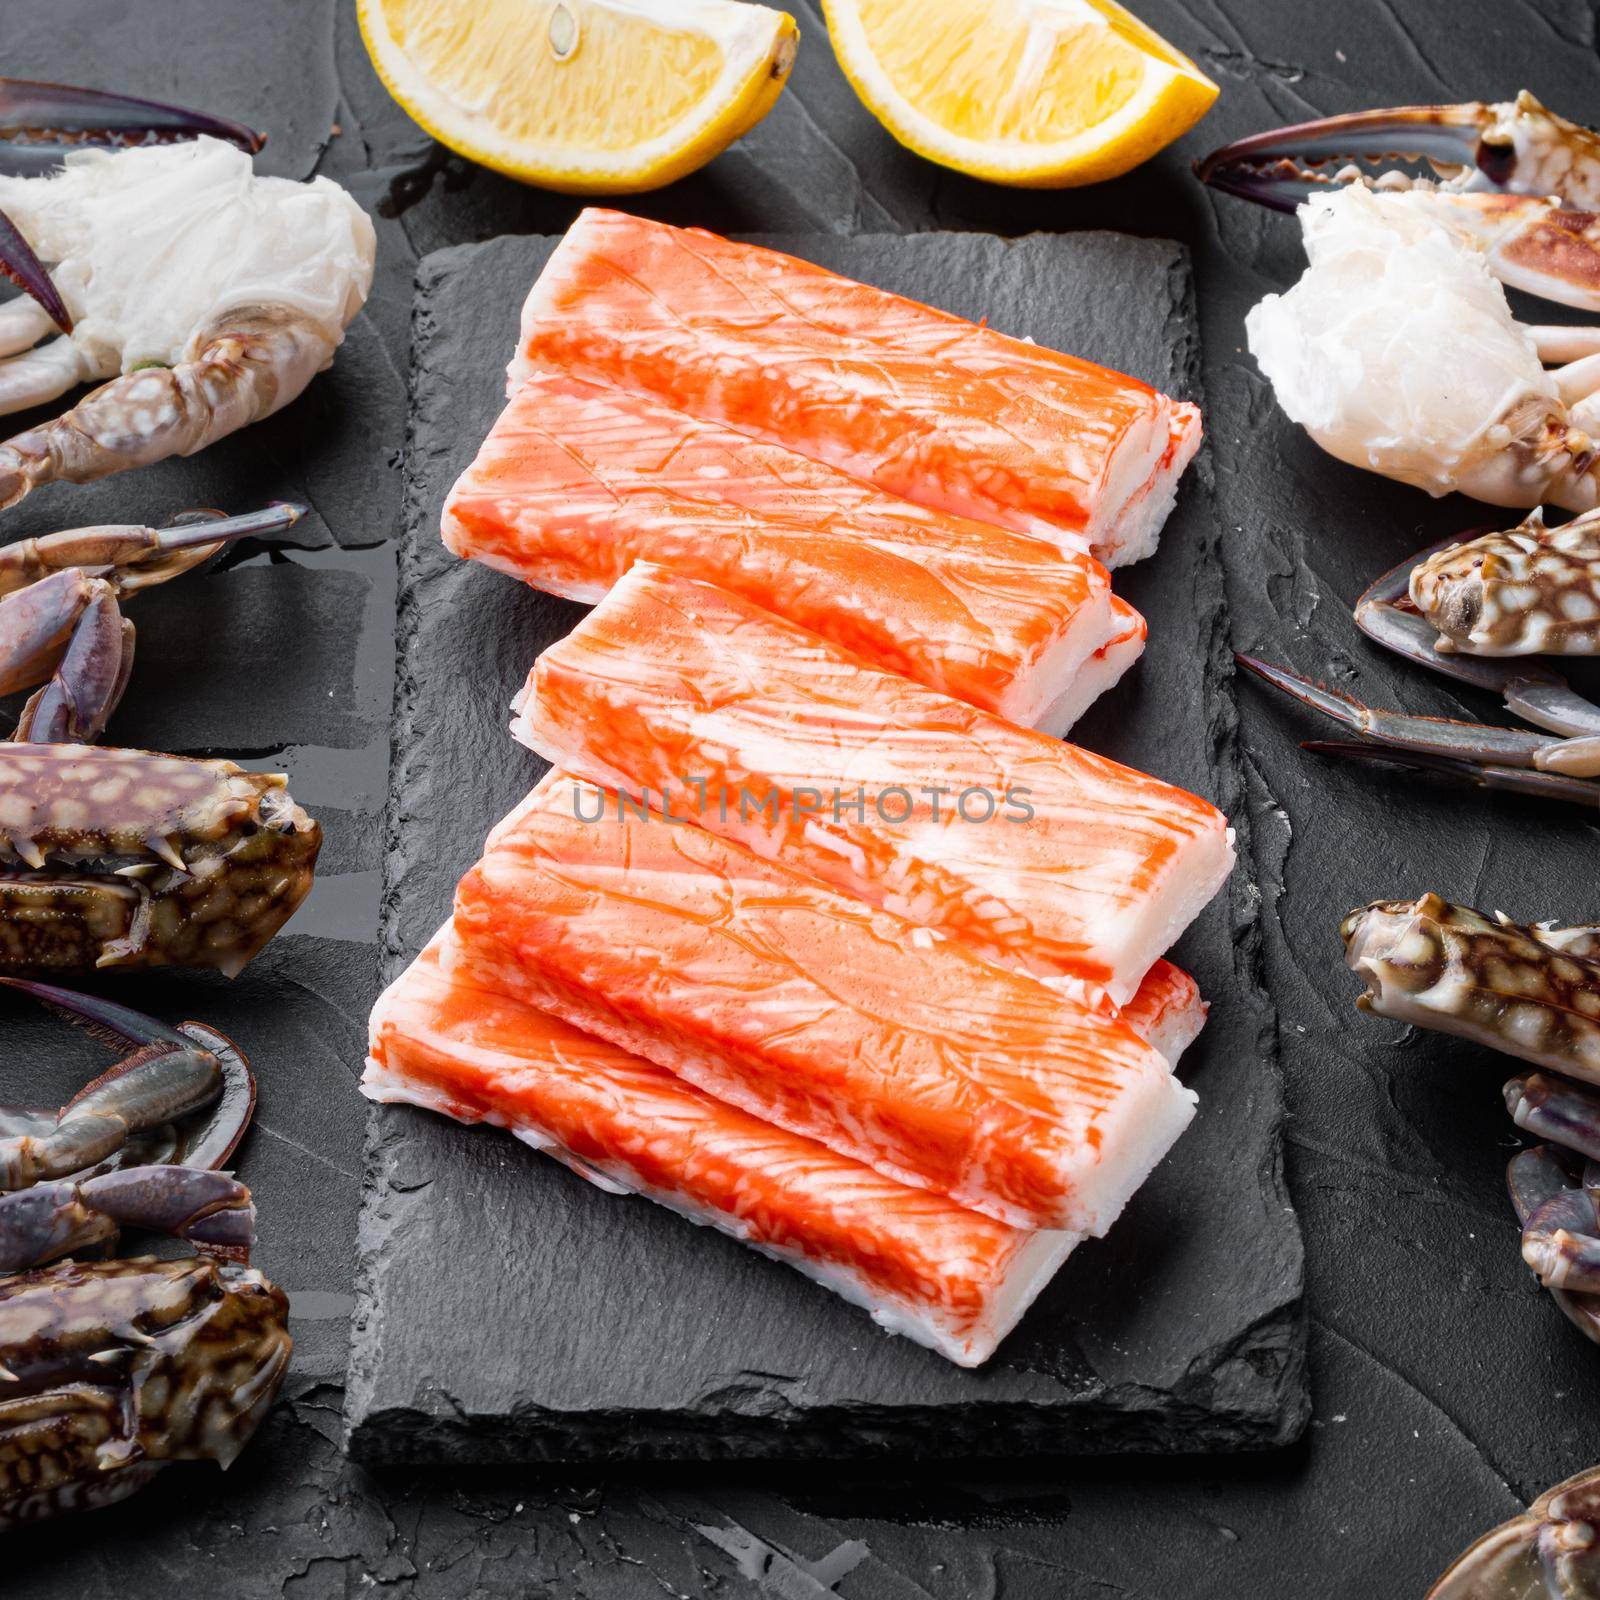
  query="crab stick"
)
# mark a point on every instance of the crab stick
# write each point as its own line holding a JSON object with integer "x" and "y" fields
{"x": 928, "y": 406}
{"x": 577, "y": 481}
{"x": 949, "y": 1278}
{"x": 1042, "y": 856}
{"x": 812, "y": 1011}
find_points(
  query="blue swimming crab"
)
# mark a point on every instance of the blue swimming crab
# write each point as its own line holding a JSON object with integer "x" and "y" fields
{"x": 152, "y": 256}
{"x": 110, "y": 1369}
{"x": 1479, "y": 609}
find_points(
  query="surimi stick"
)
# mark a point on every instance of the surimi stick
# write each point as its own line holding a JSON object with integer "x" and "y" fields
{"x": 1040, "y": 855}
{"x": 804, "y": 1007}
{"x": 932, "y": 408}
{"x": 949, "y": 1278}
{"x": 577, "y": 481}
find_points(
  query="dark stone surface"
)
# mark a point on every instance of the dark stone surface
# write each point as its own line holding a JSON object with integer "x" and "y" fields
{"x": 616, "y": 1330}
{"x": 1447, "y": 1390}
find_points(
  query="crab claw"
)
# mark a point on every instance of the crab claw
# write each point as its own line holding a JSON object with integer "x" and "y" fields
{"x": 1552, "y": 1548}
{"x": 172, "y": 1076}
{"x": 40, "y": 122}
{"x": 1281, "y": 168}
{"x": 1511, "y": 147}
{"x": 50, "y": 118}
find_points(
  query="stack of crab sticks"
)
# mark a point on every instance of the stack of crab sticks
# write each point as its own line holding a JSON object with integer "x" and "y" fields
{"x": 815, "y": 932}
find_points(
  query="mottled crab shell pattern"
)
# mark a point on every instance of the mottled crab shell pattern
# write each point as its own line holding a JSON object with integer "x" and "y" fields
{"x": 1530, "y": 590}
{"x": 1514, "y": 988}
{"x": 115, "y": 1367}
{"x": 121, "y": 858}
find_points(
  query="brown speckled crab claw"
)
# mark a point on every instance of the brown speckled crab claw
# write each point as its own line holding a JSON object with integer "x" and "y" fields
{"x": 1552, "y": 1550}
{"x": 1531, "y": 991}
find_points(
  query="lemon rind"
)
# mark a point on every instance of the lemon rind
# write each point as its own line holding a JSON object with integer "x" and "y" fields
{"x": 1170, "y": 100}
{"x": 758, "y": 47}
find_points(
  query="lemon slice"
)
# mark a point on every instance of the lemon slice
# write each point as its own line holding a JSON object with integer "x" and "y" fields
{"x": 587, "y": 96}
{"x": 1040, "y": 93}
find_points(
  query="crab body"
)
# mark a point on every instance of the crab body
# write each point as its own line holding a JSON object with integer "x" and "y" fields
{"x": 115, "y": 1368}
{"x": 118, "y": 858}
{"x": 156, "y": 262}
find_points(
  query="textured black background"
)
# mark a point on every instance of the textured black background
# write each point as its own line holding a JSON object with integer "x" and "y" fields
{"x": 1446, "y": 1389}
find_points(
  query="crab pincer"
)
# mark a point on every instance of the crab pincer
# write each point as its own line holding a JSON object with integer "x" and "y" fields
{"x": 172, "y": 1076}
{"x": 60, "y": 623}
{"x": 1519, "y": 182}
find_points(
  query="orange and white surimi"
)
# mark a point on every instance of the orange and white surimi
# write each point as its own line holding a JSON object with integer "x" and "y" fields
{"x": 1040, "y": 855}
{"x": 928, "y": 406}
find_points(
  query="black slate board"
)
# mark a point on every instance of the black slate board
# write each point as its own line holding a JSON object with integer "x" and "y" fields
{"x": 602, "y": 1328}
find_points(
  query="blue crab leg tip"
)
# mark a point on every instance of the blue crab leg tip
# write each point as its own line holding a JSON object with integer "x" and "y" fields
{"x": 278, "y": 517}
{"x": 19, "y": 263}
{"x": 1331, "y": 702}
{"x": 66, "y": 113}
{"x": 124, "y": 1021}
{"x": 1507, "y": 780}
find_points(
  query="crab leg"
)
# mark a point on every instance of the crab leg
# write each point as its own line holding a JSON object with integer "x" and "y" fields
{"x": 175, "y": 1071}
{"x": 1551, "y": 1549}
{"x": 1564, "y": 1112}
{"x": 37, "y": 622}
{"x": 247, "y": 365}
{"x": 87, "y": 686}
{"x": 168, "y": 1076}
{"x": 1559, "y": 1242}
{"x": 141, "y": 556}
{"x": 1471, "y": 742}
{"x": 209, "y": 1209}
{"x": 1534, "y": 1177}
{"x": 1499, "y": 780}
{"x": 65, "y": 627}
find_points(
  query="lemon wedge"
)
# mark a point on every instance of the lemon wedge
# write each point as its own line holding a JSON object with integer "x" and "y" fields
{"x": 1039, "y": 93}
{"x": 586, "y": 96}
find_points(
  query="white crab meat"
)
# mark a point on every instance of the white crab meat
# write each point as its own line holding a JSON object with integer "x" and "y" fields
{"x": 152, "y": 245}
{"x": 1398, "y": 353}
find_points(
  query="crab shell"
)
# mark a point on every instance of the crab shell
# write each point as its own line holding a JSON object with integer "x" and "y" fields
{"x": 115, "y": 1367}
{"x": 1529, "y": 590}
{"x": 115, "y": 858}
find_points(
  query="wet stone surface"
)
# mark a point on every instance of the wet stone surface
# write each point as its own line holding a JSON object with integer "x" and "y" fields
{"x": 1446, "y": 1389}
